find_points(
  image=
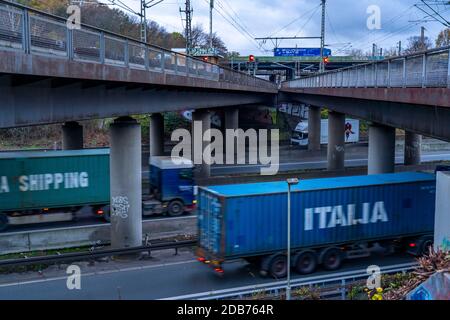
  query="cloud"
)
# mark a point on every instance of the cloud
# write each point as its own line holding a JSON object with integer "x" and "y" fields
{"x": 346, "y": 22}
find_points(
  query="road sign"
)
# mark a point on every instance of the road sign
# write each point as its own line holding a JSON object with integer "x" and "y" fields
{"x": 300, "y": 52}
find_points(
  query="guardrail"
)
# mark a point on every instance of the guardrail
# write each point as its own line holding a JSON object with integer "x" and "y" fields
{"x": 36, "y": 32}
{"x": 81, "y": 256}
{"x": 428, "y": 69}
{"x": 338, "y": 281}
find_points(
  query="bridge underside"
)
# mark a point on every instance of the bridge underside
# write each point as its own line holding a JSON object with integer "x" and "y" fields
{"x": 423, "y": 112}
{"x": 34, "y": 100}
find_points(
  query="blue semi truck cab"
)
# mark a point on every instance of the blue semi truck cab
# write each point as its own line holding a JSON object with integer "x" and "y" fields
{"x": 172, "y": 187}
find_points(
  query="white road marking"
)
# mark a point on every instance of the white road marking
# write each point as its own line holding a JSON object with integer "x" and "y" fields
{"x": 13, "y": 284}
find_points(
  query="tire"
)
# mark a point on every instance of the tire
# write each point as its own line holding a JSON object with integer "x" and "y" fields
{"x": 332, "y": 259}
{"x": 278, "y": 267}
{"x": 305, "y": 262}
{"x": 425, "y": 245}
{"x": 175, "y": 208}
{"x": 4, "y": 223}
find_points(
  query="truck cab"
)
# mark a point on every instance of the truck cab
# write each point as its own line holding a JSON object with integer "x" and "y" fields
{"x": 172, "y": 187}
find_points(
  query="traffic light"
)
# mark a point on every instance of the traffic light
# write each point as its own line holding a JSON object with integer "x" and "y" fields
{"x": 251, "y": 58}
{"x": 205, "y": 59}
{"x": 326, "y": 60}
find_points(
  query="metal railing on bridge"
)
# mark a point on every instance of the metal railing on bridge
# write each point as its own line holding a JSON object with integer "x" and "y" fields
{"x": 35, "y": 32}
{"x": 427, "y": 69}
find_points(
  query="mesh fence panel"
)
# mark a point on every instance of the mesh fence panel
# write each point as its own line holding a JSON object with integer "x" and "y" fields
{"x": 396, "y": 73}
{"x": 136, "y": 54}
{"x": 86, "y": 45}
{"x": 154, "y": 59}
{"x": 437, "y": 69}
{"x": 382, "y": 74}
{"x": 48, "y": 36}
{"x": 11, "y": 25}
{"x": 414, "y": 70}
{"x": 114, "y": 50}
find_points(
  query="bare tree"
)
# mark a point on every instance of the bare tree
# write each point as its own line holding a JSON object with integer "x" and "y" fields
{"x": 415, "y": 44}
{"x": 443, "y": 38}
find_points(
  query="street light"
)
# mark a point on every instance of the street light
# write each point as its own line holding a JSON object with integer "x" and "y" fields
{"x": 290, "y": 182}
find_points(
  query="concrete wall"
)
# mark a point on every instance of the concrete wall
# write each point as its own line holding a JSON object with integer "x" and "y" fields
{"x": 442, "y": 222}
{"x": 61, "y": 238}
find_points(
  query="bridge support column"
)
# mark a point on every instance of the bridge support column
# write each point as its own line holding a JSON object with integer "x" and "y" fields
{"x": 72, "y": 136}
{"x": 126, "y": 186}
{"x": 336, "y": 141}
{"x": 201, "y": 122}
{"x": 156, "y": 135}
{"x": 413, "y": 148}
{"x": 381, "y": 149}
{"x": 231, "y": 123}
{"x": 314, "y": 124}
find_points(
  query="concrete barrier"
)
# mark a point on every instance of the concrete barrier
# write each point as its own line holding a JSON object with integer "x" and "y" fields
{"x": 63, "y": 238}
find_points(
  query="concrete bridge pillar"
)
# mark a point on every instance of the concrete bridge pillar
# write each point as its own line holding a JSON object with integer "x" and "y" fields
{"x": 336, "y": 141}
{"x": 72, "y": 136}
{"x": 126, "y": 185}
{"x": 314, "y": 124}
{"x": 201, "y": 122}
{"x": 156, "y": 135}
{"x": 413, "y": 148}
{"x": 231, "y": 123}
{"x": 381, "y": 149}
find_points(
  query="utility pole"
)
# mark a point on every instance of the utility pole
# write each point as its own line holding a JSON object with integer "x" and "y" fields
{"x": 143, "y": 22}
{"x": 422, "y": 38}
{"x": 211, "y": 8}
{"x": 188, "y": 28}
{"x": 399, "y": 48}
{"x": 322, "y": 37}
{"x": 146, "y": 4}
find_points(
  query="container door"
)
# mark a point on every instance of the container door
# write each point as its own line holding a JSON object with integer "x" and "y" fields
{"x": 210, "y": 222}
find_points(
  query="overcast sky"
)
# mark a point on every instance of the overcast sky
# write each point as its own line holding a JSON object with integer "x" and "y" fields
{"x": 346, "y": 22}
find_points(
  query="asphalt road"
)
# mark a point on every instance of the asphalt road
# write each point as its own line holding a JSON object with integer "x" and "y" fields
{"x": 354, "y": 161}
{"x": 160, "y": 281}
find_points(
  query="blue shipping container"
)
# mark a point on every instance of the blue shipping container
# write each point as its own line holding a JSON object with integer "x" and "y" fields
{"x": 248, "y": 220}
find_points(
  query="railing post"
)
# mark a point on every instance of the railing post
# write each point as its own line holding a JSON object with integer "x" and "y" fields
{"x": 448, "y": 70}
{"x": 365, "y": 77}
{"x": 69, "y": 43}
{"x": 343, "y": 291}
{"x": 163, "y": 62}
{"x": 375, "y": 76}
{"x": 26, "y": 34}
{"x": 127, "y": 53}
{"x": 404, "y": 72}
{"x": 102, "y": 48}
{"x": 424, "y": 70}
{"x": 176, "y": 64}
{"x": 389, "y": 74}
{"x": 146, "y": 58}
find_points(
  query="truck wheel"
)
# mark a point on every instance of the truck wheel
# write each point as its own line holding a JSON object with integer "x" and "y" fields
{"x": 175, "y": 208}
{"x": 305, "y": 262}
{"x": 426, "y": 243}
{"x": 332, "y": 259}
{"x": 278, "y": 267}
{"x": 3, "y": 222}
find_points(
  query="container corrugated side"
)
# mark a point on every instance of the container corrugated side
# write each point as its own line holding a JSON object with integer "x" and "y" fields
{"x": 93, "y": 190}
{"x": 253, "y": 225}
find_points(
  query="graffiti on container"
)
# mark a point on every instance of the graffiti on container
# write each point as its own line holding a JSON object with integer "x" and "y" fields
{"x": 120, "y": 207}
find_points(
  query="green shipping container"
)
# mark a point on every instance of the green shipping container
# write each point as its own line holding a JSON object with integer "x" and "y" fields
{"x": 53, "y": 179}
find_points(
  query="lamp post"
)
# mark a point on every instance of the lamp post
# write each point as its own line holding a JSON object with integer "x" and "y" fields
{"x": 290, "y": 182}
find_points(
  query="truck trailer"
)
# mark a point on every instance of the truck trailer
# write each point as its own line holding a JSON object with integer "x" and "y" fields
{"x": 54, "y": 186}
{"x": 332, "y": 219}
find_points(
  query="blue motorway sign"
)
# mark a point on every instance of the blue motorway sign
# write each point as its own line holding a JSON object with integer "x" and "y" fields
{"x": 300, "y": 52}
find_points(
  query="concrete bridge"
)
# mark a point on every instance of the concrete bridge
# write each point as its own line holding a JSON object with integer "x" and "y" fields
{"x": 409, "y": 92}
